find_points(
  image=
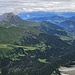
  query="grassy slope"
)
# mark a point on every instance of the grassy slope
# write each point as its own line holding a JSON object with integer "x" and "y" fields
{"x": 14, "y": 34}
{"x": 53, "y": 29}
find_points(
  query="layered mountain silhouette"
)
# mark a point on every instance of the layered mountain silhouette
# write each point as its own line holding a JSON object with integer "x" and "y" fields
{"x": 54, "y": 19}
{"x": 67, "y": 23}
{"x": 27, "y": 15}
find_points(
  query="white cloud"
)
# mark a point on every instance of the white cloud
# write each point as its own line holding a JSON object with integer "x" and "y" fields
{"x": 17, "y": 6}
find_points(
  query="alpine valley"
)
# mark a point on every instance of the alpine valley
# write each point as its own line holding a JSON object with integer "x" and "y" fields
{"x": 36, "y": 45}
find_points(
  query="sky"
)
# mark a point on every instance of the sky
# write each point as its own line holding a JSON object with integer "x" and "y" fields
{"x": 18, "y": 6}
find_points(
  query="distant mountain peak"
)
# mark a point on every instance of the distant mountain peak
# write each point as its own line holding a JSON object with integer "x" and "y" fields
{"x": 8, "y": 16}
{"x": 11, "y": 19}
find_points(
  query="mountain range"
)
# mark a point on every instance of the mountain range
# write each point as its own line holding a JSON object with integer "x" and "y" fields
{"x": 54, "y": 19}
{"x": 15, "y": 23}
{"x": 27, "y": 15}
{"x": 57, "y": 18}
{"x": 28, "y": 47}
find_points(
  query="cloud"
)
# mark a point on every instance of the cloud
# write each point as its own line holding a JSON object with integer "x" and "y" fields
{"x": 17, "y": 6}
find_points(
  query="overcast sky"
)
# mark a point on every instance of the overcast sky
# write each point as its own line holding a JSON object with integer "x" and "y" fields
{"x": 17, "y": 6}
